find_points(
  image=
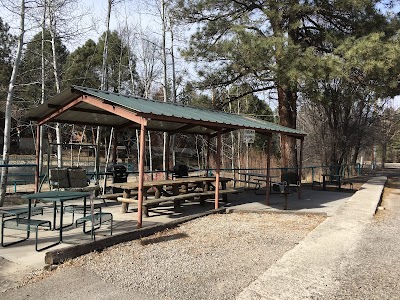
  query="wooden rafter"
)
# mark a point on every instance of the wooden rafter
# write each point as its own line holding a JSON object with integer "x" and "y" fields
{"x": 50, "y": 117}
{"x": 85, "y": 110}
{"x": 122, "y": 112}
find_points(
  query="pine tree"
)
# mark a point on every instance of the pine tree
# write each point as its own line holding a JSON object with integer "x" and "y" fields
{"x": 270, "y": 45}
{"x": 7, "y": 44}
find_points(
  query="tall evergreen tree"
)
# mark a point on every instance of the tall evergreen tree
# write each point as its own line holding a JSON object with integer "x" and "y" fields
{"x": 7, "y": 43}
{"x": 270, "y": 44}
{"x": 82, "y": 66}
{"x": 29, "y": 90}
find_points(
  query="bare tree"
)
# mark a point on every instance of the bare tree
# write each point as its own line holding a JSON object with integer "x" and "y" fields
{"x": 53, "y": 29}
{"x": 165, "y": 77}
{"x": 43, "y": 87}
{"x": 10, "y": 94}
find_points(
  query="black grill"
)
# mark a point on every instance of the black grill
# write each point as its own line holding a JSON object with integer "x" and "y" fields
{"x": 181, "y": 171}
{"x": 119, "y": 173}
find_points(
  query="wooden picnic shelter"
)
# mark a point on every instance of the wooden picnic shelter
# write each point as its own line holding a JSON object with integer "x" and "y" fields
{"x": 87, "y": 106}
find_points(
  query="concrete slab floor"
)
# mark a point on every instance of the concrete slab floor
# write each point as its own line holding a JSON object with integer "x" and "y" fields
{"x": 25, "y": 255}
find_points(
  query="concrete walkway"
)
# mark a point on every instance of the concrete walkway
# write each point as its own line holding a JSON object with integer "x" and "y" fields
{"x": 304, "y": 272}
{"x": 308, "y": 270}
{"x": 24, "y": 254}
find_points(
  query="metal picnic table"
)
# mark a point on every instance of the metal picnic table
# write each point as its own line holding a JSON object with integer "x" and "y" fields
{"x": 56, "y": 197}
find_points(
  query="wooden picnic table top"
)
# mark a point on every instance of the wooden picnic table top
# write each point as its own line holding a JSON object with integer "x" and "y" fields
{"x": 153, "y": 183}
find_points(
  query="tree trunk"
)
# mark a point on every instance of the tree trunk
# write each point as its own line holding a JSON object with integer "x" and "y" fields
{"x": 164, "y": 58}
{"x": 287, "y": 99}
{"x": 10, "y": 94}
{"x": 384, "y": 150}
{"x": 43, "y": 87}
{"x": 104, "y": 79}
{"x": 173, "y": 88}
{"x": 56, "y": 77}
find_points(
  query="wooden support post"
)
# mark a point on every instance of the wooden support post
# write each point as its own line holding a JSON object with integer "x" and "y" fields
{"x": 217, "y": 171}
{"x": 300, "y": 167}
{"x": 37, "y": 169}
{"x": 141, "y": 173}
{"x": 268, "y": 167}
{"x": 167, "y": 150}
{"x": 208, "y": 154}
{"x": 114, "y": 153}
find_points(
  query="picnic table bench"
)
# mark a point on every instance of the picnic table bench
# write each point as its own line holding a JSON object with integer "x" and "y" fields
{"x": 17, "y": 219}
{"x": 176, "y": 199}
{"x": 24, "y": 225}
{"x": 21, "y": 212}
{"x": 96, "y": 219}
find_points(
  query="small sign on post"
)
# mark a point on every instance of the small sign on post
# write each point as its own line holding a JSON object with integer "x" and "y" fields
{"x": 249, "y": 136}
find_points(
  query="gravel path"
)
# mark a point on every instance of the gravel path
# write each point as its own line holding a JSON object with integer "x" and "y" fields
{"x": 372, "y": 270}
{"x": 214, "y": 257}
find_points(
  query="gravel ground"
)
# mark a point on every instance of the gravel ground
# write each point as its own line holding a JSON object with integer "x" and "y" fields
{"x": 372, "y": 270}
{"x": 209, "y": 258}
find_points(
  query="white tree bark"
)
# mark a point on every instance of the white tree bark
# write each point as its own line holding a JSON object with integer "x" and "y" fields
{"x": 164, "y": 58}
{"x": 104, "y": 77}
{"x": 10, "y": 95}
{"x": 173, "y": 87}
{"x": 43, "y": 85}
{"x": 53, "y": 31}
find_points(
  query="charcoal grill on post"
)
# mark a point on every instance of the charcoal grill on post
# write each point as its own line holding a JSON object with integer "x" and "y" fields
{"x": 119, "y": 175}
{"x": 181, "y": 171}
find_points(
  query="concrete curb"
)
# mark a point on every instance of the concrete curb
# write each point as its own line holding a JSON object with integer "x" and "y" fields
{"x": 62, "y": 255}
{"x": 308, "y": 270}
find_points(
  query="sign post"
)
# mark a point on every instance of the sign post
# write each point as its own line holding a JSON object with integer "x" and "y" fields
{"x": 248, "y": 137}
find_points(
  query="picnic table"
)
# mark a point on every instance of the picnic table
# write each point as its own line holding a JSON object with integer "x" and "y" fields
{"x": 169, "y": 190}
{"x": 56, "y": 197}
{"x": 257, "y": 178}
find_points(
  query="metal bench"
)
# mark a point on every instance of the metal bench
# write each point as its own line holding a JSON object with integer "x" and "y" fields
{"x": 80, "y": 209}
{"x": 25, "y": 225}
{"x": 97, "y": 219}
{"x": 256, "y": 183}
{"x": 21, "y": 212}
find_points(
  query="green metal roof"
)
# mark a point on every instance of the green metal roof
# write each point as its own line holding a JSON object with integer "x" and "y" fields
{"x": 162, "y": 116}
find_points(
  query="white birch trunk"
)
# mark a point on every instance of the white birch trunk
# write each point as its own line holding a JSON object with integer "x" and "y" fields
{"x": 42, "y": 87}
{"x": 164, "y": 58}
{"x": 56, "y": 77}
{"x": 104, "y": 79}
{"x": 173, "y": 89}
{"x": 10, "y": 94}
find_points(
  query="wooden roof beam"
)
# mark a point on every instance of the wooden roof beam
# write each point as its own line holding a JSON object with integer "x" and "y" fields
{"x": 182, "y": 129}
{"x": 50, "y": 117}
{"x": 119, "y": 111}
{"x": 226, "y": 130}
{"x": 86, "y": 110}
